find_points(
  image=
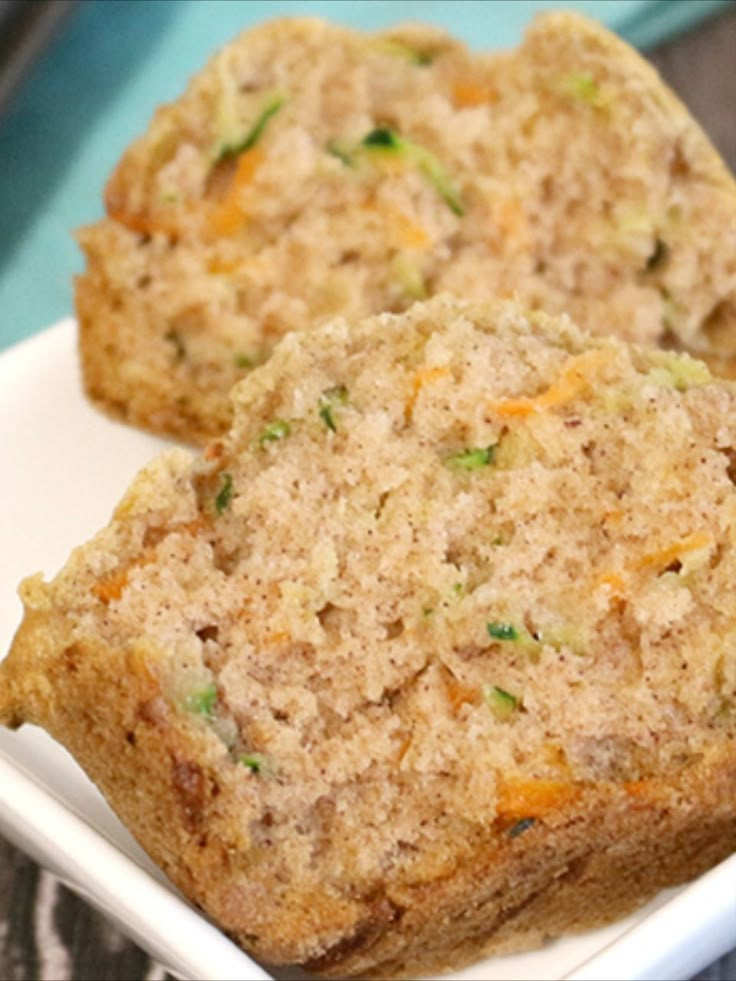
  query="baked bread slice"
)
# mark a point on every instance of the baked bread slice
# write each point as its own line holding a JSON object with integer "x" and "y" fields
{"x": 311, "y": 171}
{"x": 432, "y": 655}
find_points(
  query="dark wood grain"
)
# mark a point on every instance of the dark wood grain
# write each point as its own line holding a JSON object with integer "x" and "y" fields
{"x": 46, "y": 932}
{"x": 49, "y": 934}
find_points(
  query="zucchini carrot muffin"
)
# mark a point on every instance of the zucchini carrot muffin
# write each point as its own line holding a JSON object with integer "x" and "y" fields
{"x": 311, "y": 171}
{"x": 434, "y": 654}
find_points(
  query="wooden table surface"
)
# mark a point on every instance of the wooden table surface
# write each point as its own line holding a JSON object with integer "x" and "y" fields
{"x": 47, "y": 933}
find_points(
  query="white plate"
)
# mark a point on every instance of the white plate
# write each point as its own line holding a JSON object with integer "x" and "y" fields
{"x": 64, "y": 467}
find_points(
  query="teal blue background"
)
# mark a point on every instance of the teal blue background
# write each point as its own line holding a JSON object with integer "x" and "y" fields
{"x": 116, "y": 60}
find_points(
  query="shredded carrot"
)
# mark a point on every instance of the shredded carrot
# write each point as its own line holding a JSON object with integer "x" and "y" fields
{"x": 217, "y": 265}
{"x": 277, "y": 637}
{"x": 459, "y": 694}
{"x": 156, "y": 534}
{"x": 404, "y": 231}
{"x": 645, "y": 792}
{"x": 638, "y": 788}
{"x": 147, "y": 686}
{"x": 425, "y": 376}
{"x": 214, "y": 450}
{"x": 614, "y": 581}
{"x": 522, "y": 407}
{"x": 466, "y": 95}
{"x": 573, "y": 381}
{"x": 228, "y": 216}
{"x": 226, "y": 219}
{"x": 111, "y": 587}
{"x": 520, "y": 798}
{"x": 412, "y": 235}
{"x": 660, "y": 559}
{"x": 248, "y": 164}
{"x": 145, "y": 224}
{"x": 665, "y": 556}
{"x": 555, "y": 756}
{"x": 252, "y": 265}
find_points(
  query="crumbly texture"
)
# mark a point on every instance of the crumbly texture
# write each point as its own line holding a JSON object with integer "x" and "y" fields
{"x": 382, "y": 169}
{"x": 433, "y": 655}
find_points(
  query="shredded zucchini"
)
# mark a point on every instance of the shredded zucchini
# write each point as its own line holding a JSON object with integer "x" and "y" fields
{"x": 329, "y": 400}
{"x": 391, "y": 46}
{"x": 583, "y": 88}
{"x": 202, "y": 701}
{"x": 388, "y": 140}
{"x": 521, "y": 826}
{"x": 234, "y": 147}
{"x": 437, "y": 175}
{"x": 225, "y": 494}
{"x": 502, "y": 631}
{"x": 409, "y": 277}
{"x": 256, "y": 762}
{"x": 274, "y": 431}
{"x": 563, "y": 635}
{"x": 501, "y": 702}
{"x": 337, "y": 149}
{"x": 471, "y": 459}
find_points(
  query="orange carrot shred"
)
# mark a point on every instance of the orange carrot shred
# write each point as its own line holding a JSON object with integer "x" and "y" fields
{"x": 111, "y": 587}
{"x": 665, "y": 556}
{"x": 421, "y": 378}
{"x": 573, "y": 381}
{"x": 228, "y": 216}
{"x": 522, "y": 798}
{"x": 145, "y": 224}
{"x": 467, "y": 95}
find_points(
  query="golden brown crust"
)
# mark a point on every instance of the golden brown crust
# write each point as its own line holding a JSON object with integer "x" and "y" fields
{"x": 586, "y": 865}
{"x": 158, "y": 401}
{"x": 592, "y": 864}
{"x": 164, "y": 781}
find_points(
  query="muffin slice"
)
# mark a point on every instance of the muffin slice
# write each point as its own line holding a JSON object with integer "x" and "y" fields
{"x": 311, "y": 171}
{"x": 432, "y": 655}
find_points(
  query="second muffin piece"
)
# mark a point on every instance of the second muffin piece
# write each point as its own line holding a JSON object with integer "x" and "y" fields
{"x": 311, "y": 171}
